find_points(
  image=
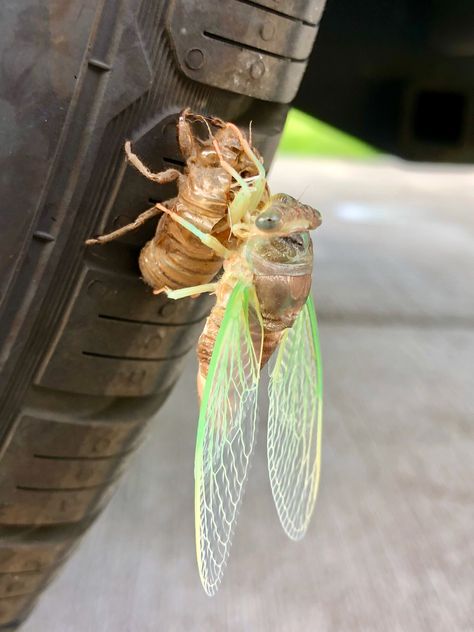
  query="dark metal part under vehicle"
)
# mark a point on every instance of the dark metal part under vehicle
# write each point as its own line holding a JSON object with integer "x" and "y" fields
{"x": 87, "y": 353}
{"x": 398, "y": 74}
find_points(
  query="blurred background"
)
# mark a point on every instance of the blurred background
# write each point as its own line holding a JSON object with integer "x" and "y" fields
{"x": 390, "y": 547}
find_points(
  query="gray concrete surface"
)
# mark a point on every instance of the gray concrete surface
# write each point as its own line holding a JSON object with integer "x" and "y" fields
{"x": 391, "y": 544}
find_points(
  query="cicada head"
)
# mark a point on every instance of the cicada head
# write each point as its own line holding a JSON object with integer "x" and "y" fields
{"x": 284, "y": 215}
{"x": 280, "y": 254}
{"x": 280, "y": 234}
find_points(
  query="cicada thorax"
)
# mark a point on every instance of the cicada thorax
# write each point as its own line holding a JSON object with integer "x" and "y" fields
{"x": 175, "y": 258}
{"x": 280, "y": 269}
{"x": 281, "y": 298}
{"x": 282, "y": 272}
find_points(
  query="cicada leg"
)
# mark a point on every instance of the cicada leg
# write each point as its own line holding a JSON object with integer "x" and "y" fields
{"x": 187, "y": 142}
{"x": 189, "y": 291}
{"x": 208, "y": 240}
{"x": 240, "y": 203}
{"x": 139, "y": 221}
{"x": 250, "y": 193}
{"x": 242, "y": 230}
{"x": 164, "y": 177}
{"x": 248, "y": 150}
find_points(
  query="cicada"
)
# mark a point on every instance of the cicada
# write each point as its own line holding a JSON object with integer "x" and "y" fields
{"x": 263, "y": 307}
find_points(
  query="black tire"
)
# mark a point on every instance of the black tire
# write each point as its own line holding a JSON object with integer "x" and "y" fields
{"x": 88, "y": 354}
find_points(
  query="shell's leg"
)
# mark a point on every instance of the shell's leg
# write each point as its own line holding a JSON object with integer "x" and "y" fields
{"x": 190, "y": 291}
{"x": 140, "y": 220}
{"x": 242, "y": 230}
{"x": 186, "y": 139}
{"x": 240, "y": 203}
{"x": 208, "y": 240}
{"x": 161, "y": 178}
{"x": 248, "y": 150}
{"x": 250, "y": 193}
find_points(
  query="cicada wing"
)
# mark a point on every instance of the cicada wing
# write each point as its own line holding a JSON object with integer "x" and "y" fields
{"x": 226, "y": 432}
{"x": 294, "y": 423}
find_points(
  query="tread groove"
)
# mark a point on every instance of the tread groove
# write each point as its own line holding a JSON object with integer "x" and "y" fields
{"x": 174, "y": 161}
{"x": 254, "y": 49}
{"x": 276, "y": 12}
{"x": 54, "y": 490}
{"x": 52, "y": 457}
{"x": 107, "y": 356}
{"x": 136, "y": 321}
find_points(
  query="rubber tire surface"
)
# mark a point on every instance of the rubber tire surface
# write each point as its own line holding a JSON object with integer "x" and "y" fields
{"x": 87, "y": 353}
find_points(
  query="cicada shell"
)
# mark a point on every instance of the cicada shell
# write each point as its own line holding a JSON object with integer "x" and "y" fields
{"x": 176, "y": 257}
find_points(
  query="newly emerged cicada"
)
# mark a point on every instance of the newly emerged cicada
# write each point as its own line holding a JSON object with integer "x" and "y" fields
{"x": 263, "y": 306}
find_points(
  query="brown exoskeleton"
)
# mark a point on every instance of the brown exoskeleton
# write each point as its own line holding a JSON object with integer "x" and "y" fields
{"x": 175, "y": 257}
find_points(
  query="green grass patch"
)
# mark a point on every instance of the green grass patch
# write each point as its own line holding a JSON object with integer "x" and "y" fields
{"x": 305, "y": 135}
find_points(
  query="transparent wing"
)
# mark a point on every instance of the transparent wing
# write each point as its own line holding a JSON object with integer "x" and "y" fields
{"x": 226, "y": 432}
{"x": 294, "y": 423}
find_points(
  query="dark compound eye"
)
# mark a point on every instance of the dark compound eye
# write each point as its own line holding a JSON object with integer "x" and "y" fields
{"x": 268, "y": 220}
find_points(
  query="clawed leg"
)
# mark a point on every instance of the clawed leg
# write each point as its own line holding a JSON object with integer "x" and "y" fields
{"x": 251, "y": 190}
{"x": 208, "y": 240}
{"x": 240, "y": 203}
{"x": 161, "y": 178}
{"x": 247, "y": 149}
{"x": 189, "y": 291}
{"x": 242, "y": 230}
{"x": 141, "y": 219}
{"x": 187, "y": 142}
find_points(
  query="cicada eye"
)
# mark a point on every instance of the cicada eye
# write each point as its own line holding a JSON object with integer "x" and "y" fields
{"x": 269, "y": 220}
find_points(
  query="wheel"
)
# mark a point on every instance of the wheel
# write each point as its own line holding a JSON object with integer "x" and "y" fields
{"x": 87, "y": 353}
